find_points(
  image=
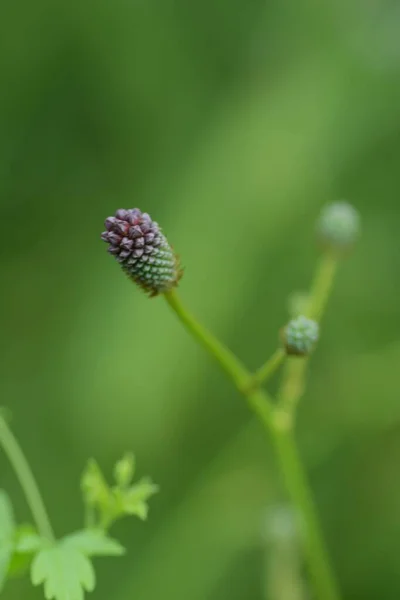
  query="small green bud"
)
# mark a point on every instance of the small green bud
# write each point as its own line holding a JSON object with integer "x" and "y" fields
{"x": 124, "y": 470}
{"x": 338, "y": 226}
{"x": 300, "y": 336}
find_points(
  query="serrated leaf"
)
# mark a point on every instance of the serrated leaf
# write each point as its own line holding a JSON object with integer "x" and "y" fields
{"x": 7, "y": 531}
{"x": 94, "y": 543}
{"x": 135, "y": 499}
{"x": 65, "y": 572}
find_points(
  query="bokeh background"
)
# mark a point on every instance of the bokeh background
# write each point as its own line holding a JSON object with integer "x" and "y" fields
{"x": 232, "y": 122}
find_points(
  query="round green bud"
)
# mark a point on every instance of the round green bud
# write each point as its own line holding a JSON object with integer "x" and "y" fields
{"x": 300, "y": 336}
{"x": 338, "y": 226}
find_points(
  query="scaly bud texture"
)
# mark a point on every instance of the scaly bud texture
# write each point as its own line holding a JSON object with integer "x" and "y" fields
{"x": 142, "y": 250}
{"x": 338, "y": 226}
{"x": 300, "y": 336}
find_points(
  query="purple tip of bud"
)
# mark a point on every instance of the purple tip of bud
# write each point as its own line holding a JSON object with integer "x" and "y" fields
{"x": 134, "y": 214}
{"x": 121, "y": 214}
{"x": 114, "y": 238}
{"x": 135, "y": 232}
{"x": 126, "y": 243}
{"x": 138, "y": 244}
{"x": 109, "y": 222}
{"x": 122, "y": 227}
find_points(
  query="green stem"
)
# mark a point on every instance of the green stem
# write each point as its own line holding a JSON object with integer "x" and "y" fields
{"x": 269, "y": 367}
{"x": 321, "y": 286}
{"x": 228, "y": 361}
{"x": 293, "y": 382}
{"x": 298, "y": 487}
{"x": 26, "y": 480}
{"x": 282, "y": 434}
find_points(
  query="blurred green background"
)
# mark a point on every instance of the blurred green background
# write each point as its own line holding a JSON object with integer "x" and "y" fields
{"x": 232, "y": 122}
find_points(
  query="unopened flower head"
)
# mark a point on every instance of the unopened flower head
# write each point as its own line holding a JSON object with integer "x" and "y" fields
{"x": 300, "y": 336}
{"x": 142, "y": 250}
{"x": 338, "y": 226}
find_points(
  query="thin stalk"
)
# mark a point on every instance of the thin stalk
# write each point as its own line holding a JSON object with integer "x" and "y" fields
{"x": 289, "y": 461}
{"x": 228, "y": 361}
{"x": 321, "y": 286}
{"x": 268, "y": 368}
{"x": 298, "y": 487}
{"x": 293, "y": 382}
{"x": 26, "y": 480}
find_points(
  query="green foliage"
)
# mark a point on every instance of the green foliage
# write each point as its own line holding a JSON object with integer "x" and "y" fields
{"x": 64, "y": 567}
{"x": 65, "y": 572}
{"x": 94, "y": 543}
{"x": 106, "y": 504}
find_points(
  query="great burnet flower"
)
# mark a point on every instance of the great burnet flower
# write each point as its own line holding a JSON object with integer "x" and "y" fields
{"x": 300, "y": 336}
{"x": 142, "y": 250}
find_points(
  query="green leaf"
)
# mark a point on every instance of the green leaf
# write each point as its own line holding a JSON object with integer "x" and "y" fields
{"x": 135, "y": 499}
{"x": 7, "y": 531}
{"x": 19, "y": 565}
{"x": 124, "y": 470}
{"x": 94, "y": 485}
{"x": 94, "y": 543}
{"x": 26, "y": 543}
{"x": 65, "y": 572}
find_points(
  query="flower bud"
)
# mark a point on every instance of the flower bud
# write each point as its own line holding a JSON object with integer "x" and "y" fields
{"x": 142, "y": 250}
{"x": 338, "y": 226}
{"x": 300, "y": 336}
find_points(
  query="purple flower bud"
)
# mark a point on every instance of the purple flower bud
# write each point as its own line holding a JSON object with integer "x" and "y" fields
{"x": 121, "y": 227}
{"x": 122, "y": 214}
{"x": 114, "y": 238}
{"x": 141, "y": 248}
{"x": 108, "y": 224}
{"x": 126, "y": 243}
{"x": 135, "y": 232}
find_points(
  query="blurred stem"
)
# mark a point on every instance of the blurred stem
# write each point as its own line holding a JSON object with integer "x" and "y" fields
{"x": 293, "y": 382}
{"x": 26, "y": 480}
{"x": 268, "y": 368}
{"x": 321, "y": 286}
{"x": 284, "y": 442}
{"x": 298, "y": 487}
